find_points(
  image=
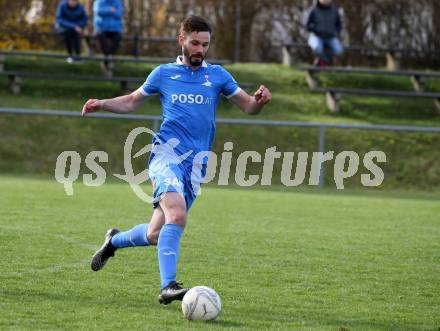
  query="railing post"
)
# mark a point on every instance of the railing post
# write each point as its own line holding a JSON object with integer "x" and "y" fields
{"x": 437, "y": 106}
{"x": 392, "y": 63}
{"x": 332, "y": 99}
{"x": 287, "y": 58}
{"x": 418, "y": 83}
{"x": 15, "y": 84}
{"x": 321, "y": 150}
{"x": 312, "y": 79}
{"x": 89, "y": 43}
{"x": 2, "y": 62}
{"x": 136, "y": 45}
{"x": 237, "y": 41}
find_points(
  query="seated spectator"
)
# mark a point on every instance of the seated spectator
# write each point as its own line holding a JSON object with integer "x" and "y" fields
{"x": 71, "y": 19}
{"x": 108, "y": 25}
{"x": 324, "y": 24}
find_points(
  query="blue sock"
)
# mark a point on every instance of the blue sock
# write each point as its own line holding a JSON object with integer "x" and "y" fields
{"x": 131, "y": 238}
{"x": 168, "y": 252}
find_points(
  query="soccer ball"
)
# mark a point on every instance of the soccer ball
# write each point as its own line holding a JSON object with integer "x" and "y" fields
{"x": 201, "y": 303}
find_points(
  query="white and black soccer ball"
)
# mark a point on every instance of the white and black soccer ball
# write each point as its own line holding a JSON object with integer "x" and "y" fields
{"x": 201, "y": 303}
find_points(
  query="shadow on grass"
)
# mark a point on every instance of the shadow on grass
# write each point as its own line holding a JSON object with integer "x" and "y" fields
{"x": 226, "y": 323}
{"x": 374, "y": 325}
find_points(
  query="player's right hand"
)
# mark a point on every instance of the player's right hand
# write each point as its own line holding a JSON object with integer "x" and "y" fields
{"x": 91, "y": 106}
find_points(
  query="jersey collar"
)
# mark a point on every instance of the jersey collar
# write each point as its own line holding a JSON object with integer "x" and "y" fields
{"x": 179, "y": 62}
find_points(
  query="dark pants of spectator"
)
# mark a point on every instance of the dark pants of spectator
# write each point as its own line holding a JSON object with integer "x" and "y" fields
{"x": 72, "y": 40}
{"x": 109, "y": 42}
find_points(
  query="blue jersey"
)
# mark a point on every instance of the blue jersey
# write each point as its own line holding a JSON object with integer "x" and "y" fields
{"x": 189, "y": 100}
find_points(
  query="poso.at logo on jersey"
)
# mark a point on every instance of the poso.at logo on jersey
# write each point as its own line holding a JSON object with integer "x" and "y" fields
{"x": 191, "y": 99}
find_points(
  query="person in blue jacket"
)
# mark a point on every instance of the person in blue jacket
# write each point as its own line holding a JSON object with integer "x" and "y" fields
{"x": 324, "y": 23}
{"x": 108, "y": 24}
{"x": 71, "y": 19}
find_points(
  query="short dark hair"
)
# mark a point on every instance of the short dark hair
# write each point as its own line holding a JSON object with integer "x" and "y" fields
{"x": 194, "y": 23}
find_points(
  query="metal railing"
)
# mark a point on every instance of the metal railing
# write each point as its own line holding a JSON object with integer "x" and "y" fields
{"x": 156, "y": 119}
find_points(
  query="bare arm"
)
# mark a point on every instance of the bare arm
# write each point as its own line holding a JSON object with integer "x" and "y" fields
{"x": 121, "y": 105}
{"x": 252, "y": 105}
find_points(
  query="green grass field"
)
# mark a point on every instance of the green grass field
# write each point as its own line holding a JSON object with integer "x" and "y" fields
{"x": 279, "y": 260}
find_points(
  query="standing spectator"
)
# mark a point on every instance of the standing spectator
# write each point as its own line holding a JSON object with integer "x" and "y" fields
{"x": 71, "y": 19}
{"x": 324, "y": 23}
{"x": 108, "y": 25}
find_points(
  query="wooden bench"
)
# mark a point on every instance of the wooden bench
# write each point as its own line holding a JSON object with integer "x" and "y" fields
{"x": 126, "y": 83}
{"x": 333, "y": 95}
{"x": 111, "y": 60}
{"x": 417, "y": 77}
{"x": 90, "y": 40}
{"x": 16, "y": 77}
{"x": 391, "y": 54}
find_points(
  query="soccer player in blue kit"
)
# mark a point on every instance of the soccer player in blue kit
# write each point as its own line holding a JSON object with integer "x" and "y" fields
{"x": 189, "y": 91}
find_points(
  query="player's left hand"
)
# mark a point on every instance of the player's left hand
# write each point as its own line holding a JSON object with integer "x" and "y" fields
{"x": 262, "y": 95}
{"x": 91, "y": 106}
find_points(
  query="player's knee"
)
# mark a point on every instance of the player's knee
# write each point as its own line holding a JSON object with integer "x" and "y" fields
{"x": 337, "y": 50}
{"x": 152, "y": 237}
{"x": 178, "y": 216}
{"x": 317, "y": 48}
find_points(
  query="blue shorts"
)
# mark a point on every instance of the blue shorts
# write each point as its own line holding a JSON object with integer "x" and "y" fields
{"x": 169, "y": 174}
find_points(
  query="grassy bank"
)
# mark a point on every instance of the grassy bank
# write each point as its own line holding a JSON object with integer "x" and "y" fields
{"x": 32, "y": 144}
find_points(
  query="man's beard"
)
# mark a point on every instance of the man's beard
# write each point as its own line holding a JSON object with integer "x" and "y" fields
{"x": 194, "y": 62}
